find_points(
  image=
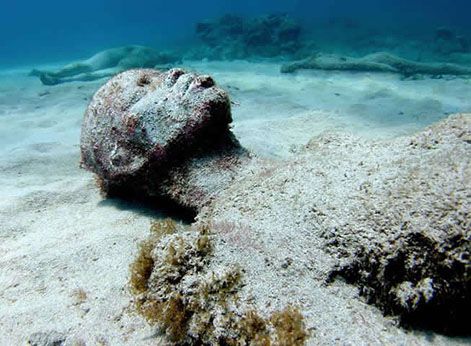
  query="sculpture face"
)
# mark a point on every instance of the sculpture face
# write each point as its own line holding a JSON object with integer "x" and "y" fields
{"x": 144, "y": 119}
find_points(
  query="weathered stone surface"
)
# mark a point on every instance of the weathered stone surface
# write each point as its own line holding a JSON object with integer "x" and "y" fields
{"x": 416, "y": 261}
{"x": 392, "y": 217}
{"x": 144, "y": 123}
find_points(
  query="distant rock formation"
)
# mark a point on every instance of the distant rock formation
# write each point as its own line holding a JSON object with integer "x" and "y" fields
{"x": 234, "y": 37}
{"x": 377, "y": 62}
{"x": 106, "y": 64}
{"x": 160, "y": 134}
{"x": 447, "y": 41}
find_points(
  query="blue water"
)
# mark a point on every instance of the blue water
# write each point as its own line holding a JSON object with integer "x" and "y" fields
{"x": 34, "y": 32}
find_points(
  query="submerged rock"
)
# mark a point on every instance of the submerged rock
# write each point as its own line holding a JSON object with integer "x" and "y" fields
{"x": 193, "y": 306}
{"x": 142, "y": 124}
{"x": 447, "y": 41}
{"x": 412, "y": 257}
{"x": 234, "y": 37}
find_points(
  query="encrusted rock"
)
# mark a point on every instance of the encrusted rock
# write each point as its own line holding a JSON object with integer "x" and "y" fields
{"x": 391, "y": 217}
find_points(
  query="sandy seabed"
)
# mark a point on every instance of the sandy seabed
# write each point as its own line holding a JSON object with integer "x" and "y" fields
{"x": 66, "y": 251}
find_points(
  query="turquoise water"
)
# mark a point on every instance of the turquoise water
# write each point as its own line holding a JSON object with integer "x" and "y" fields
{"x": 36, "y": 32}
{"x": 244, "y": 44}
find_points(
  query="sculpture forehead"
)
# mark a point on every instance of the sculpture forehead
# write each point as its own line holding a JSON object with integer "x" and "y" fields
{"x": 141, "y": 115}
{"x": 177, "y": 104}
{"x": 138, "y": 90}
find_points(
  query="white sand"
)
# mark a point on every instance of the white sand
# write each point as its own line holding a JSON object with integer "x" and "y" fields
{"x": 273, "y": 111}
{"x": 58, "y": 237}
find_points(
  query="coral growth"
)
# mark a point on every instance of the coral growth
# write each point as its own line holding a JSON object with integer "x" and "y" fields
{"x": 192, "y": 305}
{"x": 142, "y": 267}
{"x": 289, "y": 327}
{"x": 163, "y": 227}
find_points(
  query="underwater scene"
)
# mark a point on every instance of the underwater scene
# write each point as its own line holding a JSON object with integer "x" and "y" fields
{"x": 284, "y": 172}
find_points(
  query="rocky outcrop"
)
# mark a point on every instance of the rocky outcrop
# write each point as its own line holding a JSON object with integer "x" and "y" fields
{"x": 416, "y": 261}
{"x": 144, "y": 124}
{"x": 234, "y": 37}
{"x": 50, "y": 338}
{"x": 193, "y": 306}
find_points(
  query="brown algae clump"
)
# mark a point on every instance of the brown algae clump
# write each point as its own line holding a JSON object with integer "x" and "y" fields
{"x": 142, "y": 266}
{"x": 162, "y": 227}
{"x": 193, "y": 305}
{"x": 289, "y": 326}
